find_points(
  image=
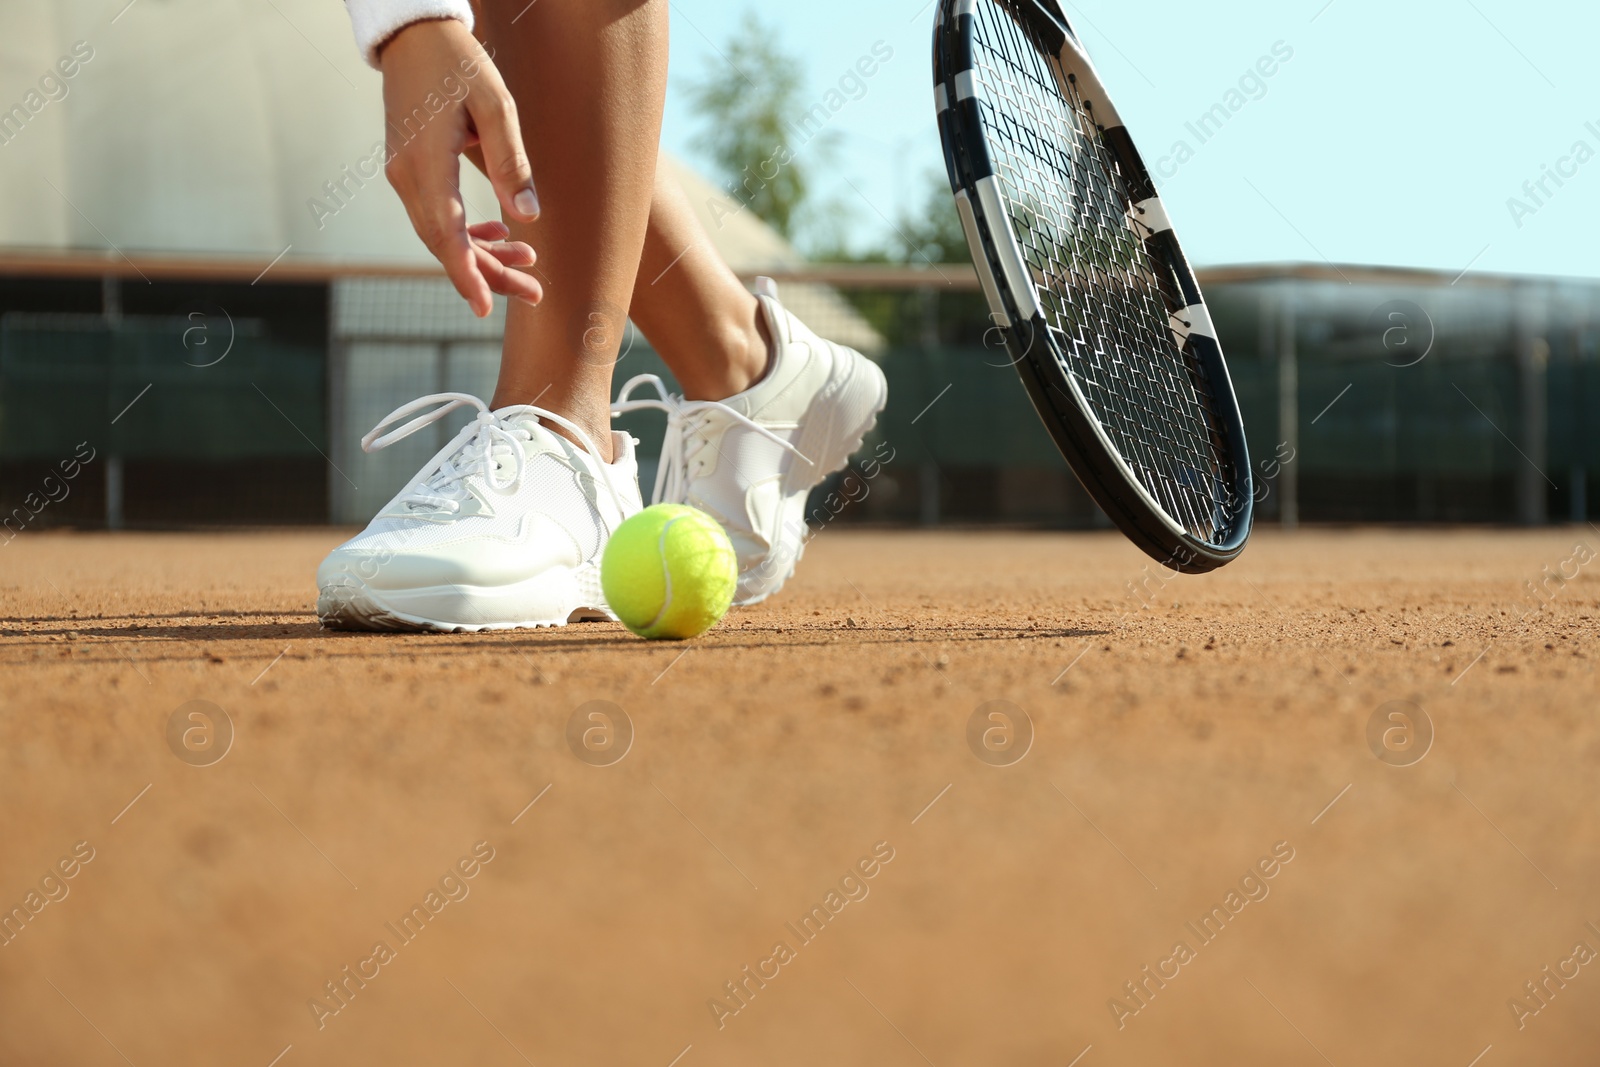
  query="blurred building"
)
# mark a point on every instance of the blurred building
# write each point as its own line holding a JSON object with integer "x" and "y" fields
{"x": 208, "y": 293}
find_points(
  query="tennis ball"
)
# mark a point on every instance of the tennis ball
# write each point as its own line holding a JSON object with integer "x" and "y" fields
{"x": 669, "y": 572}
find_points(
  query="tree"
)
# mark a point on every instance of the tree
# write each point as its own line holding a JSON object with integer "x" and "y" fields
{"x": 933, "y": 234}
{"x": 747, "y": 104}
{"x": 925, "y": 235}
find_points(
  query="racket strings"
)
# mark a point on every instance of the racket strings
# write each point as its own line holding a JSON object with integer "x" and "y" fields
{"x": 1106, "y": 300}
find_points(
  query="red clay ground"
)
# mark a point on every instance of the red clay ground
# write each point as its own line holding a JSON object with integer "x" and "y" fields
{"x": 1203, "y": 722}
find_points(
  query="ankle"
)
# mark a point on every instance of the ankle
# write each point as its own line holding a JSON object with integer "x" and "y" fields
{"x": 743, "y": 353}
{"x": 595, "y": 425}
{"x": 599, "y": 434}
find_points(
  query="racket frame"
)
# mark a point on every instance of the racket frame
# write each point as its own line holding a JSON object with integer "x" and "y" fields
{"x": 1008, "y": 286}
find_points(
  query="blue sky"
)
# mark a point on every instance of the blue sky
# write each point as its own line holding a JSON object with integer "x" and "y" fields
{"x": 1396, "y": 134}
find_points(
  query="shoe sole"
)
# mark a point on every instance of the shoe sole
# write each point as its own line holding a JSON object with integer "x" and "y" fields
{"x": 547, "y": 600}
{"x": 834, "y": 427}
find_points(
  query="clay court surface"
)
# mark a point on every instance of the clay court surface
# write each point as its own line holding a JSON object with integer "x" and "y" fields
{"x": 1203, "y": 722}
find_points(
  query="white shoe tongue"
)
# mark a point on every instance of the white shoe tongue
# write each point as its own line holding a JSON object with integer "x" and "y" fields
{"x": 500, "y": 452}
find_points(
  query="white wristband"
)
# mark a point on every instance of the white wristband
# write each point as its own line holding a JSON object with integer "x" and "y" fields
{"x": 375, "y": 21}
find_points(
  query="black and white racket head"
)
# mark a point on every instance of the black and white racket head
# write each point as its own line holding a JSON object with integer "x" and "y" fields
{"x": 1084, "y": 276}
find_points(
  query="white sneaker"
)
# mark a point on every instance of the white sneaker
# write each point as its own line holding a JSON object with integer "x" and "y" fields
{"x": 503, "y": 528}
{"x": 750, "y": 460}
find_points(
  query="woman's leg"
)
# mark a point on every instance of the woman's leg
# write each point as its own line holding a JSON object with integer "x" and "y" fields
{"x": 699, "y": 318}
{"x": 795, "y": 405}
{"x": 589, "y": 79}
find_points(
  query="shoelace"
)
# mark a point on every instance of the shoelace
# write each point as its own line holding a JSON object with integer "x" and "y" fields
{"x": 474, "y": 449}
{"x": 686, "y": 425}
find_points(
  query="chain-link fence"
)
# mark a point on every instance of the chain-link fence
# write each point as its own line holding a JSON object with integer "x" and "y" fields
{"x": 173, "y": 410}
{"x": 1405, "y": 397}
{"x": 1368, "y": 396}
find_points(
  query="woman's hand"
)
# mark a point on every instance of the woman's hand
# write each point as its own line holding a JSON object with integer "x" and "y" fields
{"x": 443, "y": 96}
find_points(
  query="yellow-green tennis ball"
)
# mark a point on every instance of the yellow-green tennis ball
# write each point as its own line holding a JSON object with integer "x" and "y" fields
{"x": 669, "y": 572}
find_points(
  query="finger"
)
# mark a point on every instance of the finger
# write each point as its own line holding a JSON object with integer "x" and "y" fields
{"x": 506, "y": 281}
{"x": 494, "y": 117}
{"x": 511, "y": 253}
{"x": 426, "y": 184}
{"x": 493, "y": 230}
{"x": 460, "y": 260}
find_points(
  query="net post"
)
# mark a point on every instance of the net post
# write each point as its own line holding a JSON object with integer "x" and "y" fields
{"x": 1288, "y": 407}
{"x": 1533, "y": 362}
{"x": 111, "y": 311}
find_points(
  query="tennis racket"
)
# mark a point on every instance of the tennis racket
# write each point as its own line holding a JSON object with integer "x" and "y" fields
{"x": 1100, "y": 312}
